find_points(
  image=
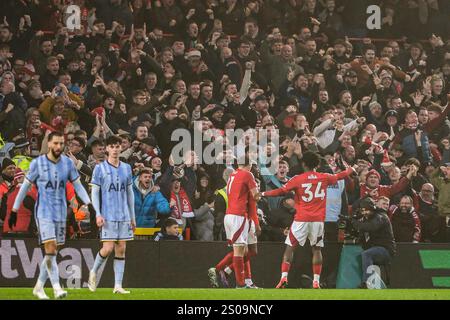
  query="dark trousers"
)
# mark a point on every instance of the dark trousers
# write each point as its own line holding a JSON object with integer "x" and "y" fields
{"x": 374, "y": 256}
{"x": 329, "y": 273}
{"x": 331, "y": 232}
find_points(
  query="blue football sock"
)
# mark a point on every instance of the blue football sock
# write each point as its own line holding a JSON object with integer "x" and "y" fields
{"x": 53, "y": 272}
{"x": 119, "y": 268}
{"x": 99, "y": 261}
{"x": 43, "y": 275}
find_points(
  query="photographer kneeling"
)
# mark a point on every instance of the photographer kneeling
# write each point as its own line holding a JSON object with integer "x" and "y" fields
{"x": 376, "y": 236}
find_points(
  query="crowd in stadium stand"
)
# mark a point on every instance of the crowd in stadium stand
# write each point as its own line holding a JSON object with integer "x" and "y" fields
{"x": 309, "y": 68}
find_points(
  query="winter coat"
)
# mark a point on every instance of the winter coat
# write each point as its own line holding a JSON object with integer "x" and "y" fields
{"x": 406, "y": 226}
{"x": 147, "y": 206}
{"x": 443, "y": 185}
{"x": 376, "y": 231}
{"x": 11, "y": 123}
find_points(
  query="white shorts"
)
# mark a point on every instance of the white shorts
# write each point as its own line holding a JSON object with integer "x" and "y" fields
{"x": 237, "y": 229}
{"x": 252, "y": 239}
{"x": 51, "y": 231}
{"x": 116, "y": 231}
{"x": 300, "y": 231}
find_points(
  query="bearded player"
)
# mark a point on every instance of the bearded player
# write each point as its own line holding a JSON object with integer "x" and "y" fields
{"x": 310, "y": 197}
{"x": 50, "y": 173}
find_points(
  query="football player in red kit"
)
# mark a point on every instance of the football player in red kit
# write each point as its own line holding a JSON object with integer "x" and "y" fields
{"x": 225, "y": 267}
{"x": 241, "y": 222}
{"x": 310, "y": 201}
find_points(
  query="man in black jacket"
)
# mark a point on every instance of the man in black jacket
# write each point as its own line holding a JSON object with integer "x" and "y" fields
{"x": 12, "y": 111}
{"x": 376, "y": 236}
{"x": 163, "y": 131}
{"x": 279, "y": 220}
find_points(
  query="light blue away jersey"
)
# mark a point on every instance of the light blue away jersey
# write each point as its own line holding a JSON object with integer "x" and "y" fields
{"x": 334, "y": 201}
{"x": 50, "y": 179}
{"x": 113, "y": 182}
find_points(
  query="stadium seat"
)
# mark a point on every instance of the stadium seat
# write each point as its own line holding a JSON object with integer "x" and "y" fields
{"x": 146, "y": 231}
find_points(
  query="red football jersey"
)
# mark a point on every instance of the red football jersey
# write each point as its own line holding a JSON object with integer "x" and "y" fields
{"x": 239, "y": 185}
{"x": 310, "y": 193}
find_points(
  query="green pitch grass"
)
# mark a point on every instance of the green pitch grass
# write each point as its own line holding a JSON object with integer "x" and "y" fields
{"x": 233, "y": 294}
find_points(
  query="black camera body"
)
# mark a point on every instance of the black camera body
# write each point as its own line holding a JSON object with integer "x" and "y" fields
{"x": 345, "y": 223}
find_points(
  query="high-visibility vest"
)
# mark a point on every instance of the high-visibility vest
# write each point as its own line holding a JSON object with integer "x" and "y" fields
{"x": 23, "y": 162}
{"x": 5, "y": 148}
{"x": 223, "y": 193}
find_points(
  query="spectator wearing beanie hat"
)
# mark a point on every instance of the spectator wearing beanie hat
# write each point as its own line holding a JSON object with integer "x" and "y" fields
{"x": 391, "y": 123}
{"x": 216, "y": 116}
{"x": 373, "y": 189}
{"x": 7, "y": 170}
{"x": 375, "y": 114}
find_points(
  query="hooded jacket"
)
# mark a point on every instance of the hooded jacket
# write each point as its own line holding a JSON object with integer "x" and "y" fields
{"x": 376, "y": 231}
{"x": 148, "y": 205}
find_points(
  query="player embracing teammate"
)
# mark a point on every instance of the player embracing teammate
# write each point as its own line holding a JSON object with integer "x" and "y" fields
{"x": 310, "y": 201}
{"x": 241, "y": 225}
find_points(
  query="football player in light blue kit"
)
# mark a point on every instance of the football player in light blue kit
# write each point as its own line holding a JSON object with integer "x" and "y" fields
{"x": 50, "y": 173}
{"x": 112, "y": 180}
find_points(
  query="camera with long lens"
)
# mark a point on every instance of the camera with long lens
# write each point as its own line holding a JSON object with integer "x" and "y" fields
{"x": 351, "y": 234}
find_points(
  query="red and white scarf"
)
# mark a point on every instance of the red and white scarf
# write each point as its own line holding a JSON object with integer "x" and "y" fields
{"x": 181, "y": 199}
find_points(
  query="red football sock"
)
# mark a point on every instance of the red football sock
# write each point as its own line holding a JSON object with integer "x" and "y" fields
{"x": 225, "y": 262}
{"x": 317, "y": 269}
{"x": 238, "y": 263}
{"x": 285, "y": 266}
{"x": 247, "y": 267}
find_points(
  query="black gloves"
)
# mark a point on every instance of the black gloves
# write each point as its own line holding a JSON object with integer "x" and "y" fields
{"x": 12, "y": 219}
